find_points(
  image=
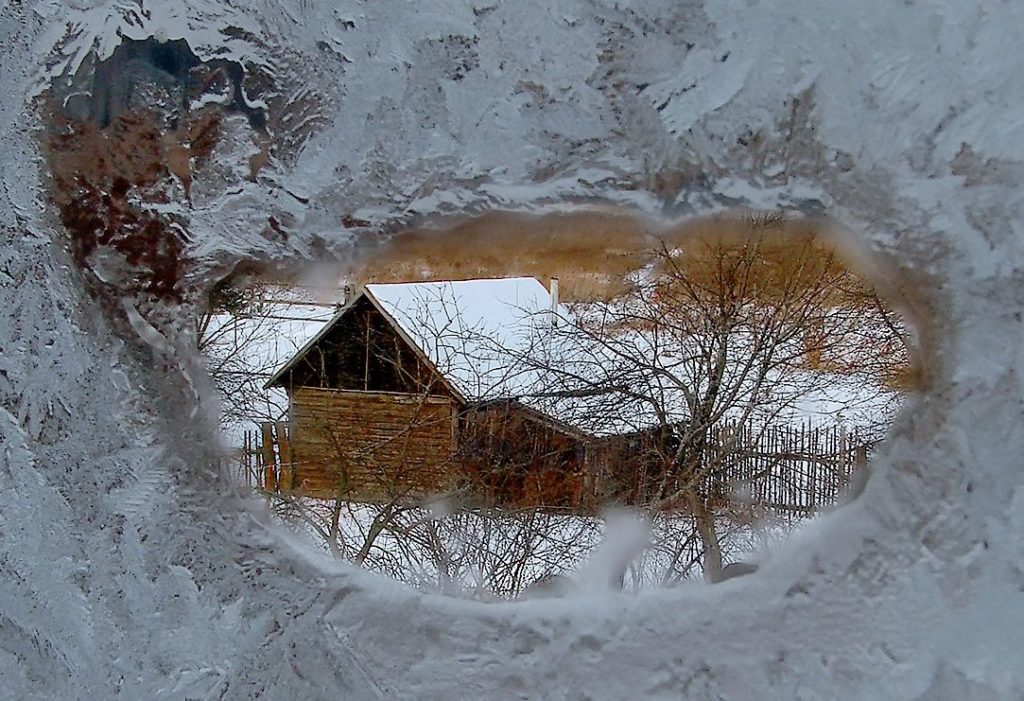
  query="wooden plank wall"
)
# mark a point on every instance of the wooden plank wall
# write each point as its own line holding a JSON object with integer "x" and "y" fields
{"x": 371, "y": 445}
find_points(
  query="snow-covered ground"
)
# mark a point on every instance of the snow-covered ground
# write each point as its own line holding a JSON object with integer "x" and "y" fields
{"x": 490, "y": 555}
{"x": 129, "y": 569}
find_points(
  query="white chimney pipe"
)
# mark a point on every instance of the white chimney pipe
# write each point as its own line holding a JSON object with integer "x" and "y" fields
{"x": 554, "y": 301}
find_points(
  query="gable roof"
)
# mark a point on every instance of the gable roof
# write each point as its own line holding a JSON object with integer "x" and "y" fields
{"x": 488, "y": 340}
{"x": 277, "y": 378}
{"x": 460, "y": 328}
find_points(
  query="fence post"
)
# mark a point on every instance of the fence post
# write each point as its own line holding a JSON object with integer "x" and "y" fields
{"x": 862, "y": 456}
{"x": 269, "y": 464}
{"x": 812, "y": 472}
{"x": 246, "y": 462}
{"x": 287, "y": 481}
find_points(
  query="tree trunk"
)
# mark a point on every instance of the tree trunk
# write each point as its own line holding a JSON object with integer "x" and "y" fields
{"x": 336, "y": 511}
{"x": 705, "y": 522}
{"x": 377, "y": 526}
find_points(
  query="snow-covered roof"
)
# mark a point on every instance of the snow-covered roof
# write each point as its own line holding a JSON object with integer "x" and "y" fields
{"x": 497, "y": 339}
{"x": 474, "y": 332}
{"x": 452, "y": 322}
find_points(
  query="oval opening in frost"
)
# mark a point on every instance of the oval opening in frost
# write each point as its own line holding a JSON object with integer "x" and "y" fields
{"x": 525, "y": 406}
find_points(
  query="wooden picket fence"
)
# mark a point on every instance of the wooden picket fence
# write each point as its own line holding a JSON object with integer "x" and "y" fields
{"x": 266, "y": 458}
{"x": 790, "y": 468}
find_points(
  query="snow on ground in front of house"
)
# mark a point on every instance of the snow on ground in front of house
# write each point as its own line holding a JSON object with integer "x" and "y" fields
{"x": 497, "y": 554}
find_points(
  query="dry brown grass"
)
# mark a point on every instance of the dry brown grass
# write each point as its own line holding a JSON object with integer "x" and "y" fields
{"x": 758, "y": 257}
{"x": 590, "y": 253}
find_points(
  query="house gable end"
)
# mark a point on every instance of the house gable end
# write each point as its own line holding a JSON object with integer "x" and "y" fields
{"x": 362, "y": 349}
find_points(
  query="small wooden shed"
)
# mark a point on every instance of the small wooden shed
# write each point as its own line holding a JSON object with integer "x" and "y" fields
{"x": 410, "y": 390}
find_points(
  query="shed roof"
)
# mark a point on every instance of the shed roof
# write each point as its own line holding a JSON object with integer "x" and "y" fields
{"x": 475, "y": 333}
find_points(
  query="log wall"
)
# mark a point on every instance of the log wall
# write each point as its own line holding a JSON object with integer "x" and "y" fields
{"x": 372, "y": 445}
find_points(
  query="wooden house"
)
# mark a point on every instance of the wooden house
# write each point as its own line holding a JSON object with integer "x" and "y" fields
{"x": 420, "y": 389}
{"x": 440, "y": 389}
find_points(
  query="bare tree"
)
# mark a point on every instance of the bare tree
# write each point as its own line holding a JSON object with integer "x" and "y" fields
{"x": 229, "y": 334}
{"x": 722, "y": 330}
{"x": 247, "y": 329}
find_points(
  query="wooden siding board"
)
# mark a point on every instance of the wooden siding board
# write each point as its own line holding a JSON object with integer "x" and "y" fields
{"x": 386, "y": 444}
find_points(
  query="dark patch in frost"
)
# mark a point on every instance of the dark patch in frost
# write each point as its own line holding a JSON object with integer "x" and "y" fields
{"x": 147, "y": 73}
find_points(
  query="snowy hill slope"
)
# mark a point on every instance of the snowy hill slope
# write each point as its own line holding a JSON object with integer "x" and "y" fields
{"x": 128, "y": 569}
